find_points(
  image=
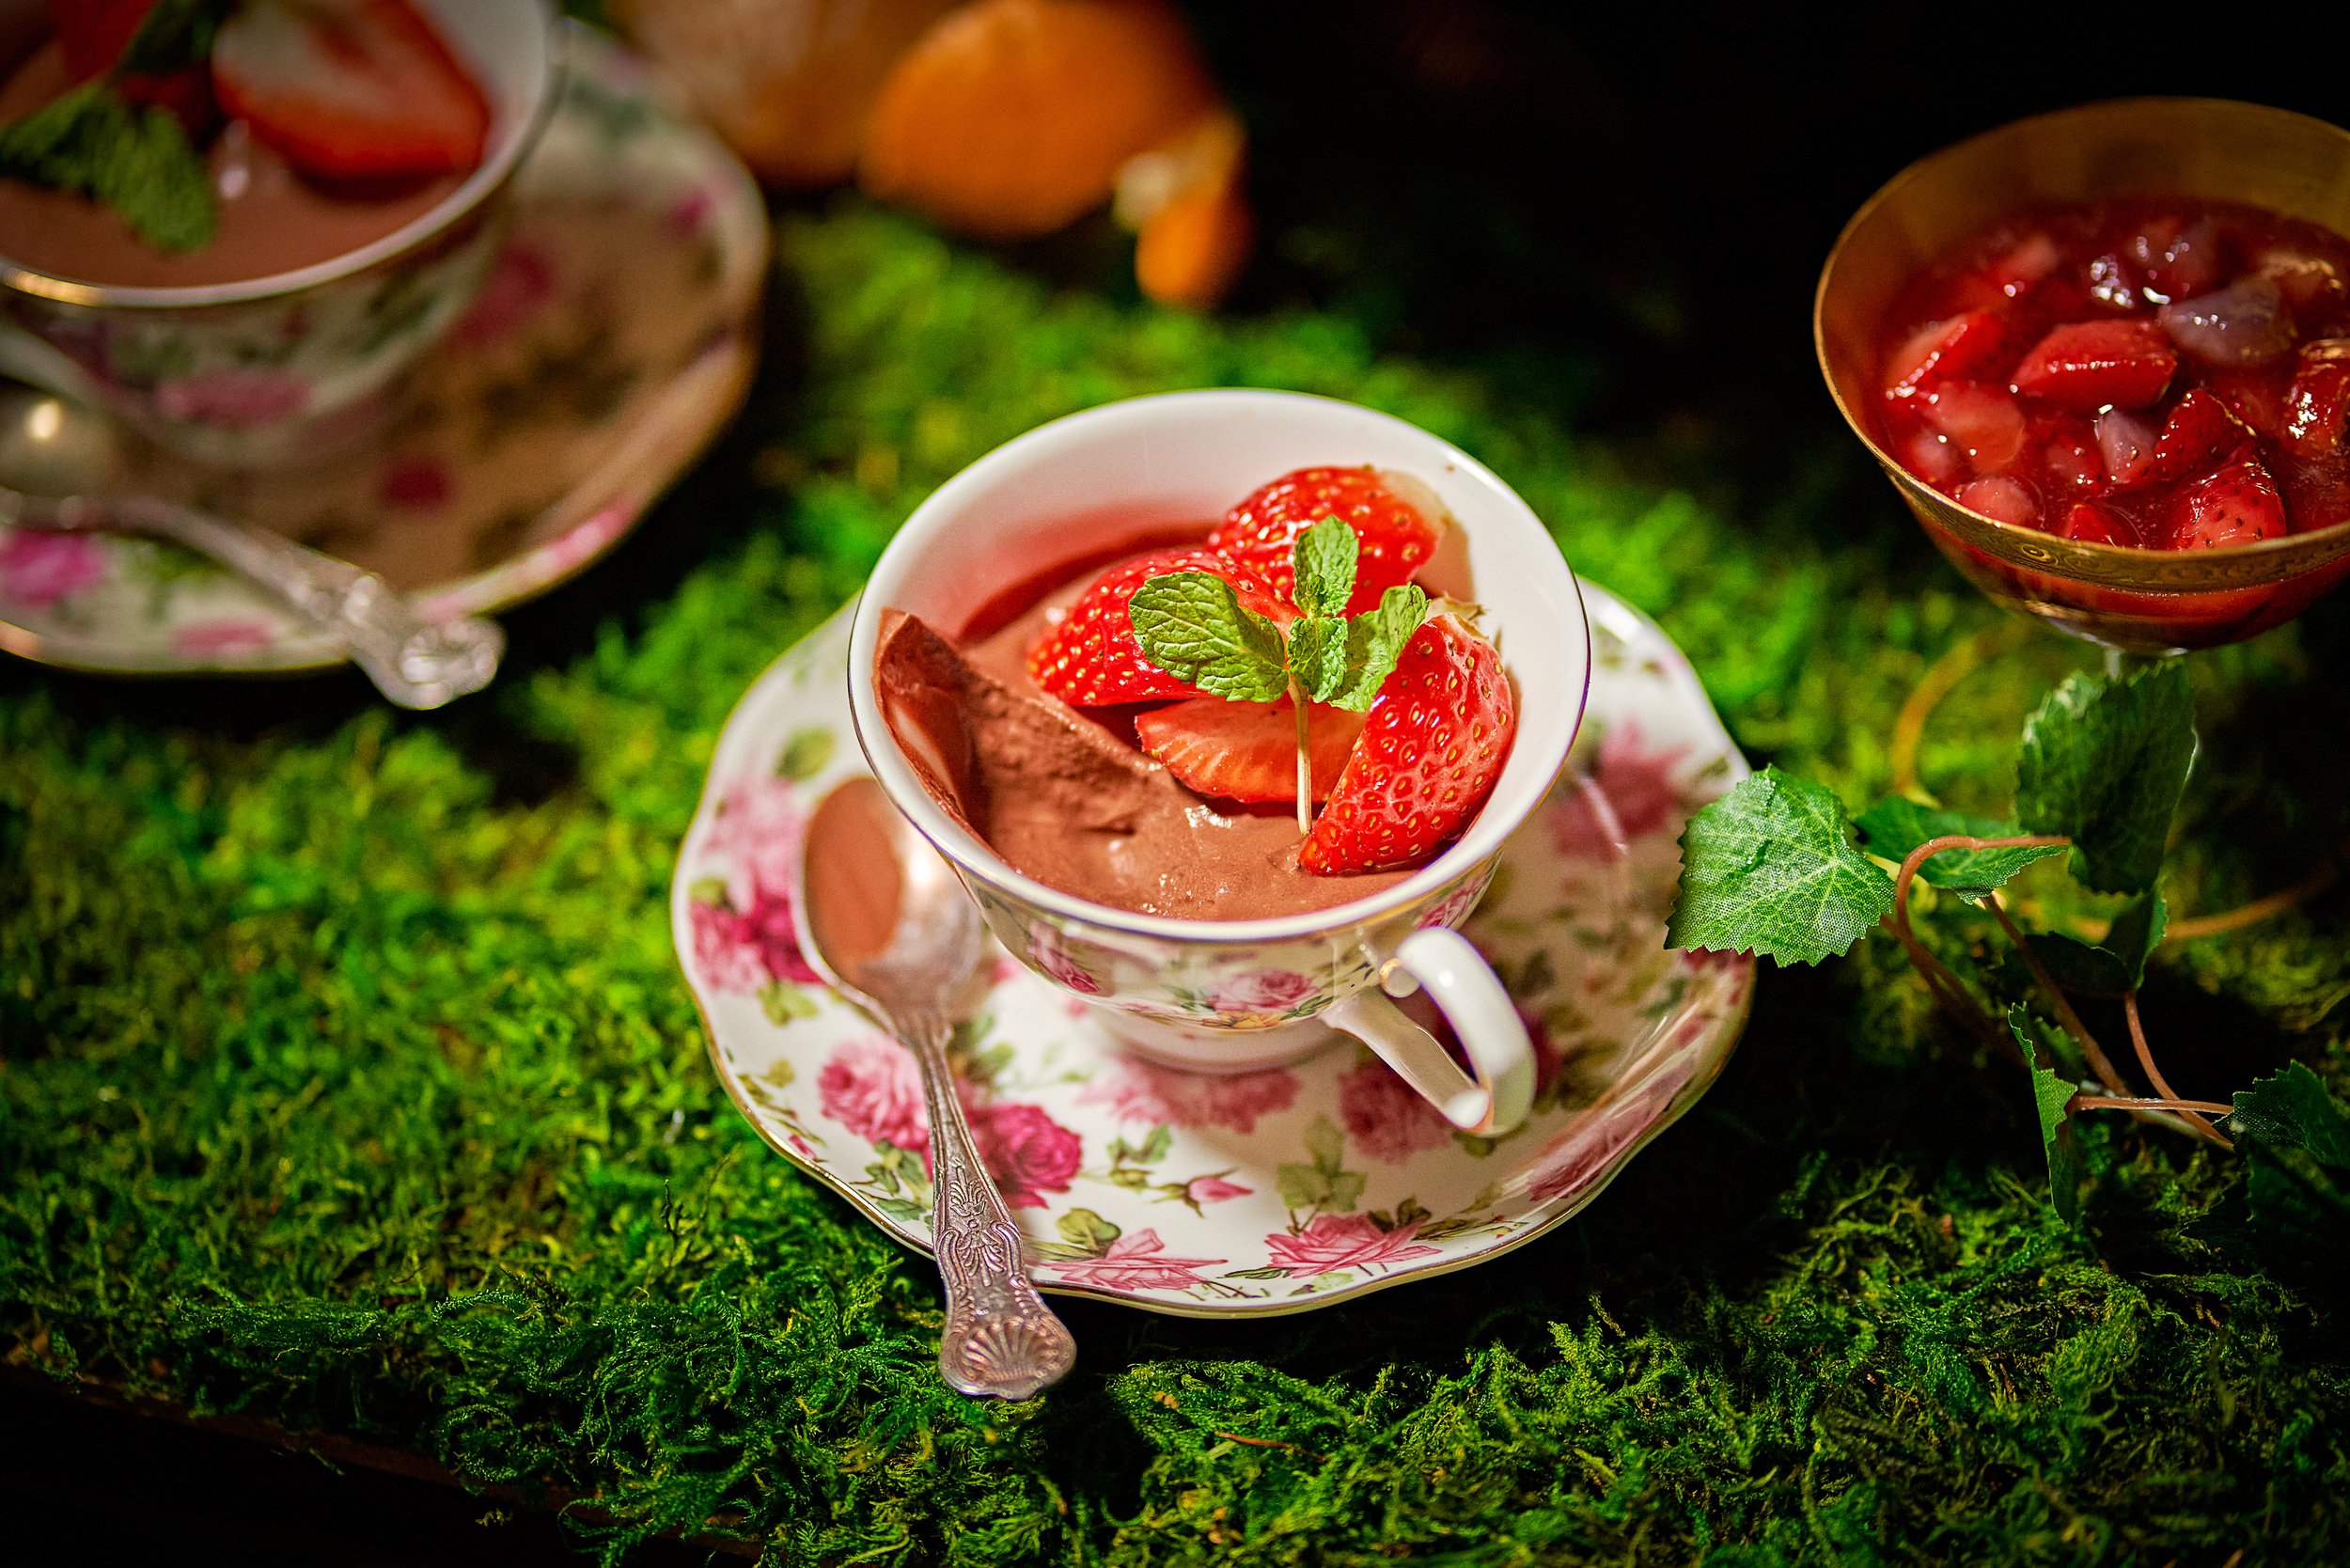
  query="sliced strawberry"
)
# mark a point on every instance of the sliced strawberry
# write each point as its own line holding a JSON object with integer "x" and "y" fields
{"x": 2255, "y": 397}
{"x": 1091, "y": 659}
{"x": 2200, "y": 428}
{"x": 2068, "y": 455}
{"x": 2319, "y": 399}
{"x": 92, "y": 34}
{"x": 1929, "y": 454}
{"x": 2127, "y": 443}
{"x": 2002, "y": 500}
{"x": 1398, "y": 524}
{"x": 1981, "y": 420}
{"x": 1954, "y": 350}
{"x": 2092, "y": 523}
{"x": 349, "y": 90}
{"x": 2178, "y": 258}
{"x": 1433, "y": 745}
{"x": 2088, "y": 365}
{"x": 2237, "y": 504}
{"x": 1247, "y": 750}
{"x": 2032, "y": 258}
{"x": 2110, "y": 284}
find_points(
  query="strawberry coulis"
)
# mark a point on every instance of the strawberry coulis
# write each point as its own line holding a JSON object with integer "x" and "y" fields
{"x": 2161, "y": 374}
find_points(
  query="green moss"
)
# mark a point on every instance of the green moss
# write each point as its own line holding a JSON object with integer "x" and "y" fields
{"x": 350, "y": 1082}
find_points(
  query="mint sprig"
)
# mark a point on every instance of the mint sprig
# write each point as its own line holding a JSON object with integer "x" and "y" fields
{"x": 135, "y": 158}
{"x": 1193, "y": 625}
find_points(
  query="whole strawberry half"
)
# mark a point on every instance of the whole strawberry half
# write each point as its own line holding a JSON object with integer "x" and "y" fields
{"x": 1433, "y": 745}
{"x": 2088, "y": 365}
{"x": 2236, "y": 504}
{"x": 1091, "y": 659}
{"x": 1247, "y": 751}
{"x": 1398, "y": 524}
{"x": 349, "y": 90}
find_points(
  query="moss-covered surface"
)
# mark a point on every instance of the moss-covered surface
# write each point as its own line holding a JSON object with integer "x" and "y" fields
{"x": 349, "y": 1080}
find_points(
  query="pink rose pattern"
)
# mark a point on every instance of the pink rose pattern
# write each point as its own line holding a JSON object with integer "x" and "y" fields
{"x": 1213, "y": 1189}
{"x": 1265, "y": 991}
{"x": 210, "y": 639}
{"x": 1135, "y": 1263}
{"x": 1385, "y": 1116}
{"x": 1334, "y": 1241}
{"x": 1044, "y": 947}
{"x": 1637, "y": 784}
{"x": 872, "y": 1088}
{"x": 1027, "y": 1153}
{"x": 233, "y": 399}
{"x": 520, "y": 283}
{"x": 746, "y": 940}
{"x": 38, "y": 571}
{"x": 1144, "y": 1092}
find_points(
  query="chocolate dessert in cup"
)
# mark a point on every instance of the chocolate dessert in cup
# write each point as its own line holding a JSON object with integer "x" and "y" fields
{"x": 281, "y": 331}
{"x": 1089, "y": 489}
{"x": 2209, "y": 579}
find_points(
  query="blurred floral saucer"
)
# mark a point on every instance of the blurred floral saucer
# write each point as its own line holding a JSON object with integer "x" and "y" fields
{"x": 615, "y": 337}
{"x": 1269, "y": 1192}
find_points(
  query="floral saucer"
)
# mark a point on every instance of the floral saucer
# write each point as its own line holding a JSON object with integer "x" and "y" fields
{"x": 613, "y": 339}
{"x": 1268, "y": 1192}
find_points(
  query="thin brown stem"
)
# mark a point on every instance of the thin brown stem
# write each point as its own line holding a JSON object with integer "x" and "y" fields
{"x": 1942, "y": 678}
{"x": 2258, "y": 910}
{"x": 2154, "y": 1074}
{"x": 1947, "y": 988}
{"x": 2139, "y": 1104}
{"x": 2098, "y": 1062}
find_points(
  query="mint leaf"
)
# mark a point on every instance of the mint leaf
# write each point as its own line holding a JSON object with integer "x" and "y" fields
{"x": 1770, "y": 867}
{"x": 1891, "y": 828}
{"x": 2118, "y": 963}
{"x": 176, "y": 34}
{"x": 1374, "y": 641}
{"x": 1318, "y": 654}
{"x": 1325, "y": 556}
{"x": 1191, "y": 625}
{"x": 2295, "y": 1139}
{"x": 2104, "y": 763}
{"x": 138, "y": 160}
{"x": 2052, "y": 1097}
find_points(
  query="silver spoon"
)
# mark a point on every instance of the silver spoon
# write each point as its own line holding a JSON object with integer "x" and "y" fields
{"x": 883, "y": 918}
{"x": 56, "y": 456}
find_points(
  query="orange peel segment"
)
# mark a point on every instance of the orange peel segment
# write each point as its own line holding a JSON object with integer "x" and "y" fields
{"x": 1011, "y": 119}
{"x": 1186, "y": 197}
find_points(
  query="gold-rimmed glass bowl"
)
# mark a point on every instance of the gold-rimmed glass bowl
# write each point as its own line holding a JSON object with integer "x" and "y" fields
{"x": 2195, "y": 149}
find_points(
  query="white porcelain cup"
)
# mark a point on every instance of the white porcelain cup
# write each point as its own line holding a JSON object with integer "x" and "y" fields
{"x": 268, "y": 371}
{"x": 1241, "y": 996}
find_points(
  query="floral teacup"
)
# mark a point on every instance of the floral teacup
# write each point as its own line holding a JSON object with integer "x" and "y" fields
{"x": 1242, "y": 996}
{"x": 271, "y": 369}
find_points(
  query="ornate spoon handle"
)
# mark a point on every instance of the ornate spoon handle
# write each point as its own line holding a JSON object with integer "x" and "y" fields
{"x": 1001, "y": 1340}
{"x": 415, "y": 662}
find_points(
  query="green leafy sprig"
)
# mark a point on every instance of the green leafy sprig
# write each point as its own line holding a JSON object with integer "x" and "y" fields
{"x": 135, "y": 158}
{"x": 1772, "y": 867}
{"x": 1193, "y": 625}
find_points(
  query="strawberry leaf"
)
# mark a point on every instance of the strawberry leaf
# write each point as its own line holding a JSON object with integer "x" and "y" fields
{"x": 1192, "y": 625}
{"x": 1891, "y": 828}
{"x": 1325, "y": 556}
{"x": 1770, "y": 867}
{"x": 2052, "y": 1097}
{"x": 2295, "y": 1139}
{"x": 2104, "y": 763}
{"x": 1374, "y": 641}
{"x": 2115, "y": 965}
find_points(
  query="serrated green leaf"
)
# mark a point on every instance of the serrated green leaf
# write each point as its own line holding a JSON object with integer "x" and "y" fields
{"x": 1374, "y": 641}
{"x": 1318, "y": 654}
{"x": 1302, "y": 1186}
{"x": 135, "y": 160}
{"x": 2104, "y": 763}
{"x": 1191, "y": 625}
{"x": 2052, "y": 1098}
{"x": 2118, "y": 963}
{"x": 1893, "y": 827}
{"x": 2296, "y": 1141}
{"x": 1154, "y": 1148}
{"x": 1325, "y": 1143}
{"x": 1083, "y": 1228}
{"x": 1770, "y": 867}
{"x": 1324, "y": 560}
{"x": 783, "y": 1002}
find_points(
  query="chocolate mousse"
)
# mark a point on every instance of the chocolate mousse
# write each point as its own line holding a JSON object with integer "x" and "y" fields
{"x": 1065, "y": 800}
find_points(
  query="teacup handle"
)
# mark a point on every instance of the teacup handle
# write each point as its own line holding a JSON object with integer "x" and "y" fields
{"x": 1465, "y": 987}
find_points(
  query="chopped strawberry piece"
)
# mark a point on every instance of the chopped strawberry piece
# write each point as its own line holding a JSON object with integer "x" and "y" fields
{"x": 1985, "y": 422}
{"x": 2090, "y": 365}
{"x": 2068, "y": 455}
{"x": 1398, "y": 524}
{"x": 2002, "y": 500}
{"x": 2110, "y": 284}
{"x": 2319, "y": 399}
{"x": 1247, "y": 751}
{"x": 1930, "y": 454}
{"x": 2199, "y": 429}
{"x": 2128, "y": 443}
{"x": 349, "y": 90}
{"x": 2093, "y": 523}
{"x": 1092, "y": 658}
{"x": 2178, "y": 258}
{"x": 2255, "y": 397}
{"x": 2310, "y": 284}
{"x": 1954, "y": 350}
{"x": 1433, "y": 745}
{"x": 2033, "y": 257}
{"x": 2236, "y": 504}
{"x": 92, "y": 34}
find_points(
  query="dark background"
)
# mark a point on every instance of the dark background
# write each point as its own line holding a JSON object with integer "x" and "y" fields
{"x": 1623, "y": 221}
